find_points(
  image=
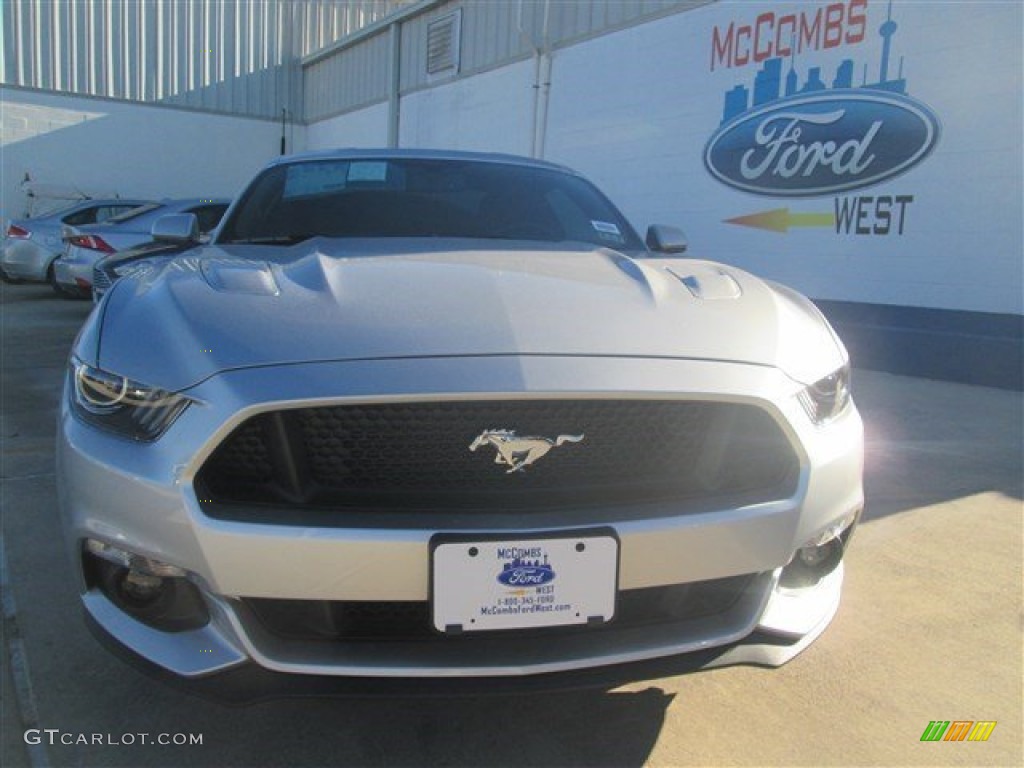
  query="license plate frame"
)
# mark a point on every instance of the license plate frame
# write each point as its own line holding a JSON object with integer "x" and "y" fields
{"x": 521, "y": 581}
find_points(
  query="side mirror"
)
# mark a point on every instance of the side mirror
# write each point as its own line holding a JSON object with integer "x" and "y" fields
{"x": 665, "y": 239}
{"x": 180, "y": 228}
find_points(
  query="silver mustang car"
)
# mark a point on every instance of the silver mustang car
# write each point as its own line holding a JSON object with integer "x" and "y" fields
{"x": 441, "y": 415}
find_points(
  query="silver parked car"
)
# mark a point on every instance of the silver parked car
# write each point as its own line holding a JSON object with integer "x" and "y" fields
{"x": 440, "y": 415}
{"x": 86, "y": 245}
{"x": 31, "y": 245}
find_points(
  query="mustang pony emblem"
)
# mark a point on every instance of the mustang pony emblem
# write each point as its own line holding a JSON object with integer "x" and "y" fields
{"x": 519, "y": 452}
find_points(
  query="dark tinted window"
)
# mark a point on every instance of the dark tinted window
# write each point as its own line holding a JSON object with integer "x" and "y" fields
{"x": 96, "y": 213}
{"x": 425, "y": 198}
{"x": 78, "y": 218}
{"x": 106, "y": 211}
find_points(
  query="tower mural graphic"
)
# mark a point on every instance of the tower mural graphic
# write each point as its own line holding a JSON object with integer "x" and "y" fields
{"x": 770, "y": 86}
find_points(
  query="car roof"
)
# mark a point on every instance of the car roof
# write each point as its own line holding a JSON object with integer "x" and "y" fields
{"x": 417, "y": 154}
{"x": 79, "y": 205}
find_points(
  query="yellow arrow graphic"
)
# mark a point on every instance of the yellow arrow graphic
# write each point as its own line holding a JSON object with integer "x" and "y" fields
{"x": 781, "y": 219}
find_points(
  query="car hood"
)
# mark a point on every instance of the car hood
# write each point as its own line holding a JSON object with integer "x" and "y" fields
{"x": 328, "y": 300}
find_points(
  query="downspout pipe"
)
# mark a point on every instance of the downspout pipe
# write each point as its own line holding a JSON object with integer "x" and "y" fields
{"x": 394, "y": 83}
{"x": 292, "y": 69}
{"x": 545, "y": 97}
{"x": 535, "y": 111}
{"x": 541, "y": 79}
{"x": 544, "y": 82}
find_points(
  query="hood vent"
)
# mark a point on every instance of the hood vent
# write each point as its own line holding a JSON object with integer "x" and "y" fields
{"x": 236, "y": 276}
{"x": 709, "y": 283}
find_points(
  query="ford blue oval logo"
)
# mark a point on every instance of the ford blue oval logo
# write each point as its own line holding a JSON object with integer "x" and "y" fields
{"x": 823, "y": 143}
{"x": 526, "y": 575}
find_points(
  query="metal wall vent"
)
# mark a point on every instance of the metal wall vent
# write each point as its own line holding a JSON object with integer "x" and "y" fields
{"x": 443, "y": 44}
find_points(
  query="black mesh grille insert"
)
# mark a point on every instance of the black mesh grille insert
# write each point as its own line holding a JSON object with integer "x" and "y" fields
{"x": 416, "y": 456}
{"x": 368, "y": 620}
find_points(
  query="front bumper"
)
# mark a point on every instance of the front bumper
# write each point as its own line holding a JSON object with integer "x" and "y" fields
{"x": 228, "y": 676}
{"x": 141, "y": 498}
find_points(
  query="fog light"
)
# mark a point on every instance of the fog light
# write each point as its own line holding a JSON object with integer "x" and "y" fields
{"x": 150, "y": 591}
{"x": 137, "y": 563}
{"x": 142, "y": 586}
{"x": 819, "y": 556}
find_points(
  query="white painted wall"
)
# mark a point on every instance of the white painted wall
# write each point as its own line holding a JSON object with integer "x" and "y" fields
{"x": 489, "y": 112}
{"x": 135, "y": 150}
{"x": 360, "y": 128}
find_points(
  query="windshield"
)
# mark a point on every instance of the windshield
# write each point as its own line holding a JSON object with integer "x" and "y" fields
{"x": 424, "y": 198}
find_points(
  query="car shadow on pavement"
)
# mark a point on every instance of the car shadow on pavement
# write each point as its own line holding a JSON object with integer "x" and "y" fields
{"x": 577, "y": 728}
{"x": 566, "y": 729}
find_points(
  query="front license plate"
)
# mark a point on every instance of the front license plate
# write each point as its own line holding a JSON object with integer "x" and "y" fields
{"x": 524, "y": 583}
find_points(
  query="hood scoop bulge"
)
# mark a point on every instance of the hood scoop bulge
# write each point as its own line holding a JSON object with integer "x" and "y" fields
{"x": 707, "y": 283}
{"x": 237, "y": 276}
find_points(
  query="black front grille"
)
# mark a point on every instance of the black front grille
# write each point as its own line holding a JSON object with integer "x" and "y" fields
{"x": 100, "y": 281}
{"x": 416, "y": 456}
{"x": 368, "y": 620}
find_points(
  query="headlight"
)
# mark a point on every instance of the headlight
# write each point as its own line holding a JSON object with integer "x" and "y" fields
{"x": 826, "y": 398}
{"x": 120, "y": 405}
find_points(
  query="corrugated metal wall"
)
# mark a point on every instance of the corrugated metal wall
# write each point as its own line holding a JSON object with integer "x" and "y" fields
{"x": 357, "y": 76}
{"x": 494, "y": 32}
{"x": 329, "y": 20}
{"x": 242, "y": 56}
{"x": 490, "y": 36}
{"x": 237, "y": 56}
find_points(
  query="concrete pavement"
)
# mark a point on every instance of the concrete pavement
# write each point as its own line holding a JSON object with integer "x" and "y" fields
{"x": 929, "y": 629}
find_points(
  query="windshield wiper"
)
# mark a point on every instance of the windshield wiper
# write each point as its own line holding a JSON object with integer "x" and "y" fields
{"x": 269, "y": 240}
